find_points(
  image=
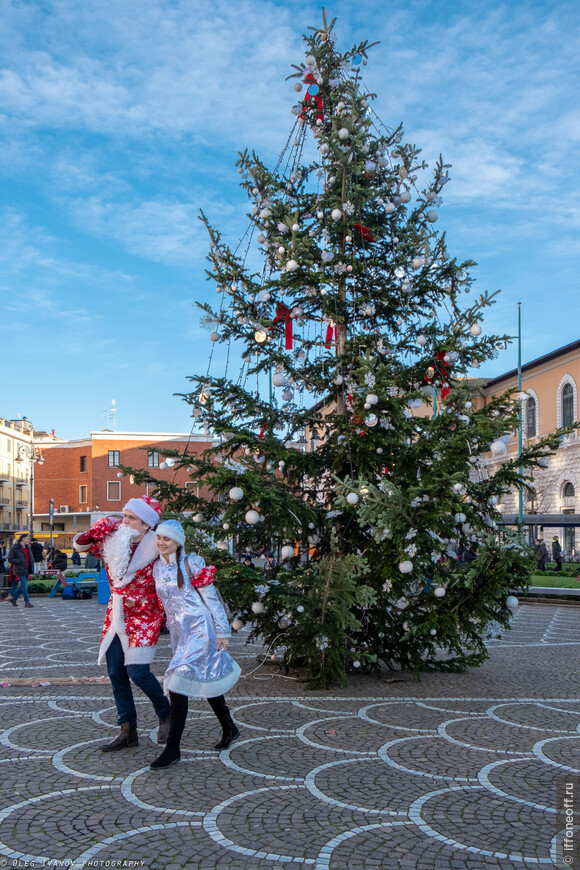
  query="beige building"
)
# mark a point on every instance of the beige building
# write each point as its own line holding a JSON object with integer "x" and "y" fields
{"x": 17, "y": 459}
{"x": 550, "y": 385}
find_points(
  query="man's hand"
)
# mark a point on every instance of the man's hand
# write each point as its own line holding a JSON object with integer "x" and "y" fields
{"x": 223, "y": 643}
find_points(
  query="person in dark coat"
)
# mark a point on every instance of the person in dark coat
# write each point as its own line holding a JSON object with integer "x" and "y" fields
{"x": 37, "y": 552}
{"x": 59, "y": 561}
{"x": 22, "y": 562}
{"x": 543, "y": 556}
{"x": 76, "y": 558}
{"x": 557, "y": 553}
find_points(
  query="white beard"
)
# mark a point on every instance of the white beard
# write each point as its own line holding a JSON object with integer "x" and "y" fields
{"x": 117, "y": 551}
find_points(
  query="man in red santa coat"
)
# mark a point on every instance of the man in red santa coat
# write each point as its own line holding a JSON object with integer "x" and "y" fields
{"x": 134, "y": 613}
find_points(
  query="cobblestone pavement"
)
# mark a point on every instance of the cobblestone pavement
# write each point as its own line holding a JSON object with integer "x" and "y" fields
{"x": 454, "y": 771}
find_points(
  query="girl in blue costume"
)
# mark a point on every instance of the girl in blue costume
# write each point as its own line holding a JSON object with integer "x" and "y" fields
{"x": 201, "y": 666}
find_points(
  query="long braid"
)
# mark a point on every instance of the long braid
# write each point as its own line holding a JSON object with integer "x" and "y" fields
{"x": 180, "y": 580}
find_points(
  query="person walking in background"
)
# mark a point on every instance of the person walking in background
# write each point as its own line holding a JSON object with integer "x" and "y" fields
{"x": 542, "y": 552}
{"x": 37, "y": 551}
{"x": 134, "y": 613}
{"x": 22, "y": 562}
{"x": 76, "y": 559}
{"x": 201, "y": 667}
{"x": 557, "y": 553}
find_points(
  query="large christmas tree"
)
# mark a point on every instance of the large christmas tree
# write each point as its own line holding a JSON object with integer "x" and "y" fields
{"x": 351, "y": 442}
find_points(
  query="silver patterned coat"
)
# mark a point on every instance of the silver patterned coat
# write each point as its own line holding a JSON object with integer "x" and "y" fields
{"x": 195, "y": 619}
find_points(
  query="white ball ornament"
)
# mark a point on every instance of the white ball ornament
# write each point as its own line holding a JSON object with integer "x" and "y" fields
{"x": 406, "y": 567}
{"x": 258, "y": 607}
{"x": 198, "y": 518}
{"x": 338, "y": 380}
{"x": 390, "y": 207}
{"x": 215, "y": 336}
{"x": 405, "y": 196}
{"x": 295, "y": 228}
{"x": 119, "y": 474}
{"x": 236, "y": 493}
{"x": 433, "y": 632}
{"x": 300, "y": 609}
{"x": 310, "y": 60}
{"x": 475, "y": 329}
{"x": 343, "y": 133}
{"x": 252, "y": 517}
{"x": 222, "y": 545}
{"x": 439, "y": 591}
{"x": 494, "y": 500}
{"x": 278, "y": 379}
{"x": 457, "y": 487}
{"x": 432, "y": 216}
{"x": 291, "y": 266}
{"x": 163, "y": 465}
{"x": 421, "y": 340}
{"x": 460, "y": 518}
{"x": 372, "y": 399}
{"x": 287, "y": 552}
{"x": 352, "y": 498}
{"x": 225, "y": 526}
{"x": 336, "y": 214}
{"x": 237, "y": 624}
{"x": 512, "y": 602}
{"x": 319, "y": 215}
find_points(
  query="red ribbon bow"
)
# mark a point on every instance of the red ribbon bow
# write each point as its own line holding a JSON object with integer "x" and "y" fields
{"x": 364, "y": 233}
{"x": 283, "y": 313}
{"x": 330, "y": 333}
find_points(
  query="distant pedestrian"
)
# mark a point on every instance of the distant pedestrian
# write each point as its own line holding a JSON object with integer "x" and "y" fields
{"x": 22, "y": 562}
{"x": 3, "y": 557}
{"x": 248, "y": 562}
{"x": 76, "y": 558}
{"x": 543, "y": 556}
{"x": 59, "y": 561}
{"x": 557, "y": 553}
{"x": 37, "y": 552}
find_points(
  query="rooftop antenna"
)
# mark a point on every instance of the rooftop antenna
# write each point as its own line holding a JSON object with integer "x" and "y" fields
{"x": 105, "y": 413}
{"x": 113, "y": 411}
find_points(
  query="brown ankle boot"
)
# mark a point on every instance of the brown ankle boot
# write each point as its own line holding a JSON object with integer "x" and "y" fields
{"x": 127, "y": 736}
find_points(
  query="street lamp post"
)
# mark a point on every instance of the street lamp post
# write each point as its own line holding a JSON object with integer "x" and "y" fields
{"x": 32, "y": 455}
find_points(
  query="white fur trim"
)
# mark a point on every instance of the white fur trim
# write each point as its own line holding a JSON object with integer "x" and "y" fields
{"x": 141, "y": 509}
{"x": 81, "y": 548}
{"x": 197, "y": 689}
{"x": 140, "y": 655}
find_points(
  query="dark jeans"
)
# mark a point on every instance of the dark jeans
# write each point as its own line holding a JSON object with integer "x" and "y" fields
{"x": 120, "y": 675}
{"x": 558, "y": 564}
{"x": 20, "y": 584}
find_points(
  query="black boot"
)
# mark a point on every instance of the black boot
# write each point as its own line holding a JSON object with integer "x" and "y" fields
{"x": 171, "y": 754}
{"x": 230, "y": 730}
{"x": 127, "y": 736}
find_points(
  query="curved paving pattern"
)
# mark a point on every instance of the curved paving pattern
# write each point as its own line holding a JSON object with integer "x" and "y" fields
{"x": 402, "y": 779}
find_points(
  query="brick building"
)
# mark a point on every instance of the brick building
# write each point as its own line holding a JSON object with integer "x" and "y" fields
{"x": 82, "y": 476}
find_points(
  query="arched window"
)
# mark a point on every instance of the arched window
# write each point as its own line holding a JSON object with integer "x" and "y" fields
{"x": 567, "y": 405}
{"x": 568, "y": 490}
{"x": 531, "y": 424}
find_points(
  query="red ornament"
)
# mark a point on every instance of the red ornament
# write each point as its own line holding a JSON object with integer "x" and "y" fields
{"x": 330, "y": 332}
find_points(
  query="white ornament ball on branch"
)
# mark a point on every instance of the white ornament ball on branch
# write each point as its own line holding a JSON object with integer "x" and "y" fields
{"x": 439, "y": 591}
{"x": 215, "y": 336}
{"x": 421, "y": 340}
{"x": 343, "y": 133}
{"x": 225, "y": 526}
{"x": 291, "y": 266}
{"x": 287, "y": 552}
{"x": 512, "y": 602}
{"x": 459, "y": 518}
{"x": 236, "y": 493}
{"x": 252, "y": 517}
{"x": 278, "y": 379}
{"x": 475, "y": 329}
{"x": 237, "y": 624}
{"x": 258, "y": 607}
{"x": 405, "y": 196}
{"x": 372, "y": 399}
{"x": 432, "y": 216}
{"x": 198, "y": 518}
{"x": 406, "y": 567}
{"x": 352, "y": 498}
{"x": 336, "y": 214}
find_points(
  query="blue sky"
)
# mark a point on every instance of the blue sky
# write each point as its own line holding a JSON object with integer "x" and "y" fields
{"x": 119, "y": 121}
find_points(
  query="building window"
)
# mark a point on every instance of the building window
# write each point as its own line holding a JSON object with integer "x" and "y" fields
{"x": 82, "y": 494}
{"x": 531, "y": 424}
{"x": 83, "y": 463}
{"x": 568, "y": 491}
{"x": 567, "y": 405}
{"x": 153, "y": 459}
{"x": 113, "y": 458}
{"x": 113, "y": 490}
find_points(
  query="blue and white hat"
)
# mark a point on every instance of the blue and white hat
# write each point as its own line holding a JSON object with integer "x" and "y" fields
{"x": 171, "y": 529}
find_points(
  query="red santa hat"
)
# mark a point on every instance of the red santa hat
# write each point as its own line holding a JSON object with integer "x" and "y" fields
{"x": 146, "y": 508}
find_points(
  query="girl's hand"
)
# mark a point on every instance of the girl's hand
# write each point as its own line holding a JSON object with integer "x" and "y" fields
{"x": 223, "y": 643}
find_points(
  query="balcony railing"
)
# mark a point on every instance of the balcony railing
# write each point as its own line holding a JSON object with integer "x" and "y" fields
{"x": 4, "y": 499}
